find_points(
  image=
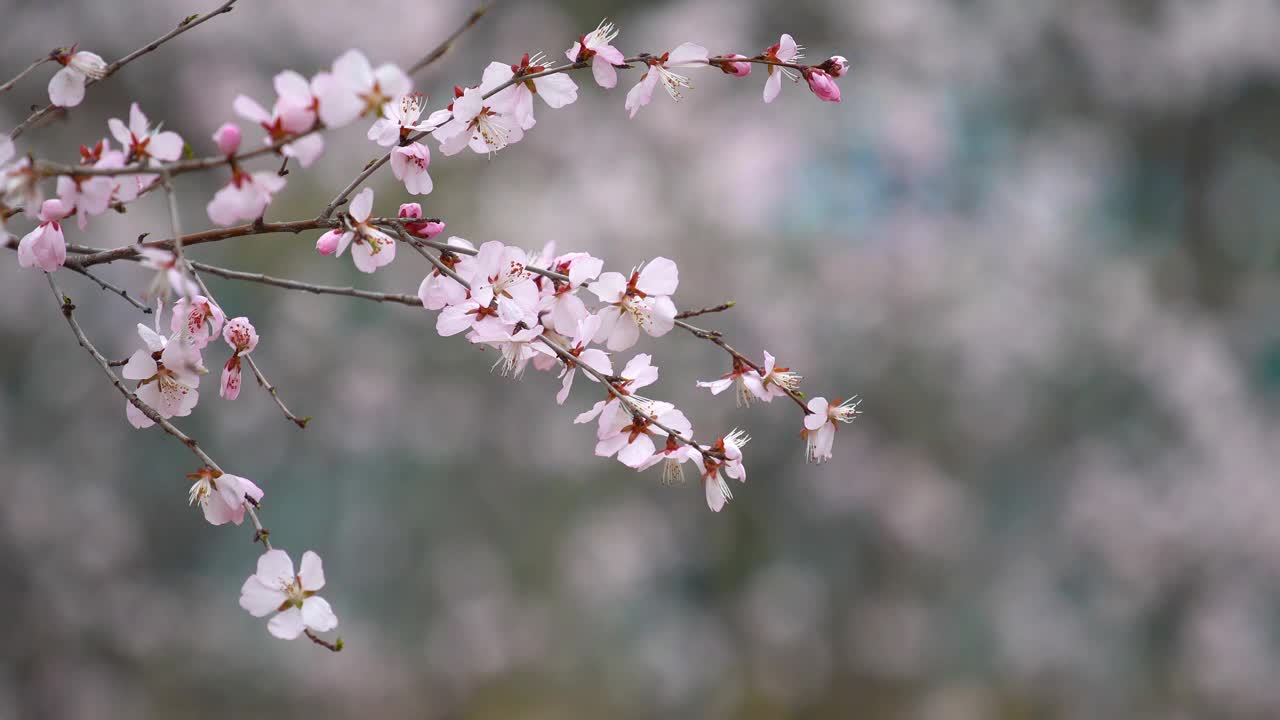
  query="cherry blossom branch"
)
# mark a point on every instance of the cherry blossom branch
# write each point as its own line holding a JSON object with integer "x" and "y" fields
{"x": 187, "y": 23}
{"x": 275, "y": 395}
{"x": 402, "y": 299}
{"x": 714, "y": 309}
{"x": 130, "y": 252}
{"x": 335, "y": 646}
{"x": 447, "y": 45}
{"x": 715, "y": 337}
{"x": 108, "y": 287}
{"x": 178, "y": 167}
{"x": 68, "y": 309}
{"x": 27, "y": 71}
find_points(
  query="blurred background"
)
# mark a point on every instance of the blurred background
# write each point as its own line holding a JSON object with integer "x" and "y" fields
{"x": 1039, "y": 238}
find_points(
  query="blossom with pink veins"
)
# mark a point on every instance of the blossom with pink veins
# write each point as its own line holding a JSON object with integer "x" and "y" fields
{"x": 243, "y": 338}
{"x": 222, "y": 496}
{"x": 45, "y": 247}
{"x": 275, "y": 588}
{"x": 638, "y": 373}
{"x": 640, "y": 302}
{"x": 595, "y": 47}
{"x": 714, "y": 470}
{"x": 426, "y": 229}
{"x": 373, "y": 248}
{"x": 560, "y": 298}
{"x": 470, "y": 120}
{"x": 687, "y": 55}
{"x": 556, "y": 90}
{"x": 630, "y": 436}
{"x": 197, "y": 320}
{"x": 438, "y": 290}
{"x": 168, "y": 373}
{"x": 593, "y": 358}
{"x": 141, "y": 142}
{"x": 673, "y": 457}
{"x": 822, "y": 85}
{"x": 355, "y": 88}
{"x": 409, "y": 164}
{"x": 293, "y": 113}
{"x": 820, "y": 425}
{"x": 785, "y": 50}
{"x": 498, "y": 274}
{"x": 66, "y": 87}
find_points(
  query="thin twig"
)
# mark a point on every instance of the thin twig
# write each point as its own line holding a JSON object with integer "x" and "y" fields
{"x": 335, "y": 646}
{"x": 68, "y": 310}
{"x": 74, "y": 267}
{"x": 27, "y": 71}
{"x": 713, "y": 309}
{"x": 130, "y": 252}
{"x": 275, "y": 395}
{"x": 403, "y": 299}
{"x": 447, "y": 45}
{"x": 714, "y": 337}
{"x": 187, "y": 24}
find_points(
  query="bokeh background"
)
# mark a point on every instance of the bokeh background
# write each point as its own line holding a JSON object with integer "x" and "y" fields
{"x": 1040, "y": 238}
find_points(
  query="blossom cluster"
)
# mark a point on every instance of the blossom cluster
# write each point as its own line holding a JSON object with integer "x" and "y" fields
{"x": 558, "y": 312}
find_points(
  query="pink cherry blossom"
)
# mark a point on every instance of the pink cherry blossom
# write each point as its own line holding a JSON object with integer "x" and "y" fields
{"x": 86, "y": 195}
{"x": 595, "y": 359}
{"x": 246, "y": 197}
{"x": 595, "y": 47}
{"x": 735, "y": 377}
{"x": 638, "y": 373}
{"x": 409, "y": 164}
{"x": 515, "y": 346}
{"x": 66, "y": 87}
{"x": 168, "y": 275}
{"x": 673, "y": 457}
{"x": 560, "y": 298}
{"x": 426, "y": 229}
{"x": 243, "y": 338}
{"x": 772, "y": 381}
{"x": 222, "y": 496}
{"x": 820, "y": 425}
{"x": 275, "y": 588}
{"x": 714, "y": 470}
{"x": 292, "y": 114}
{"x": 736, "y": 69}
{"x": 168, "y": 373}
{"x": 373, "y": 248}
{"x": 141, "y": 142}
{"x": 227, "y": 136}
{"x": 45, "y": 247}
{"x": 556, "y": 90}
{"x": 500, "y": 276}
{"x": 438, "y": 290}
{"x": 630, "y": 436}
{"x": 400, "y": 117}
{"x": 475, "y": 123}
{"x": 822, "y": 85}
{"x": 197, "y": 320}
{"x": 355, "y": 88}
{"x": 785, "y": 51}
{"x": 641, "y": 302}
{"x": 687, "y": 55}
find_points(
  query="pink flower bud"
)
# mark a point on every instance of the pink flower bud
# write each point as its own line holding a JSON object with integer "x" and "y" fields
{"x": 411, "y": 210}
{"x": 328, "y": 242}
{"x": 228, "y": 138}
{"x": 736, "y": 69}
{"x": 822, "y": 85}
{"x": 836, "y": 66}
{"x": 53, "y": 210}
{"x": 427, "y": 230}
